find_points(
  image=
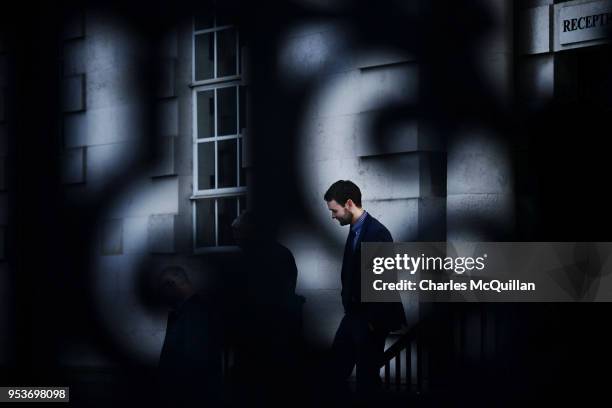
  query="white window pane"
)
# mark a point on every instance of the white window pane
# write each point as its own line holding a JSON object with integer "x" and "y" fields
{"x": 206, "y": 114}
{"x": 204, "y": 56}
{"x": 227, "y": 159}
{"x": 206, "y": 165}
{"x": 205, "y": 223}
{"x": 228, "y": 211}
{"x": 241, "y": 174}
{"x": 243, "y": 107}
{"x": 226, "y": 111}
{"x": 226, "y": 52}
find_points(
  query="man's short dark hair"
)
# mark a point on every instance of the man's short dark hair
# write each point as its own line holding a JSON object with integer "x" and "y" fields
{"x": 341, "y": 191}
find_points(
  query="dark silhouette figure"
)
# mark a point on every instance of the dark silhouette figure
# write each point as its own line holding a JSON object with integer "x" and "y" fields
{"x": 360, "y": 339}
{"x": 190, "y": 363}
{"x": 267, "y": 339}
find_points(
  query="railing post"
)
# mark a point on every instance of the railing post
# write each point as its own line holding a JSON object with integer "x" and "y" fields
{"x": 419, "y": 363}
{"x": 409, "y": 367}
{"x": 226, "y": 362}
{"x": 398, "y": 370}
{"x": 387, "y": 374}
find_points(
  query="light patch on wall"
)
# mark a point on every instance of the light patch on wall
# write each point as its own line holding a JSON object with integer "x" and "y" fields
{"x": 308, "y": 49}
{"x": 130, "y": 236}
{"x": 331, "y": 127}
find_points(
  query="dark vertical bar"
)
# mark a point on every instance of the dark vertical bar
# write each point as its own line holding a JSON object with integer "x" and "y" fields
{"x": 409, "y": 366}
{"x": 419, "y": 364}
{"x": 483, "y": 332}
{"x": 226, "y": 362}
{"x": 387, "y": 373}
{"x": 398, "y": 369}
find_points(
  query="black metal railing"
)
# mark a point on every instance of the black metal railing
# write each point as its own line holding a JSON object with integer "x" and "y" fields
{"x": 400, "y": 354}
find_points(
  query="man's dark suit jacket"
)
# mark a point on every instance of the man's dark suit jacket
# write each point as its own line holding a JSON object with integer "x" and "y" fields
{"x": 382, "y": 316}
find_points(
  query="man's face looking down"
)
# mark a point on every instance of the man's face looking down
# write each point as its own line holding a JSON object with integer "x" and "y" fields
{"x": 340, "y": 213}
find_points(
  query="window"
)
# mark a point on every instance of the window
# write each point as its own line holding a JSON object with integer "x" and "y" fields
{"x": 219, "y": 186}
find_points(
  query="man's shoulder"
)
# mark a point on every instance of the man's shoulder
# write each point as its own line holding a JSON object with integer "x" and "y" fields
{"x": 377, "y": 228}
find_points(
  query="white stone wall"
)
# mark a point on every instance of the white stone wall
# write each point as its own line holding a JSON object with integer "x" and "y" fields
{"x": 480, "y": 174}
{"x": 337, "y": 140}
{"x": 146, "y": 208}
{"x": 410, "y": 182}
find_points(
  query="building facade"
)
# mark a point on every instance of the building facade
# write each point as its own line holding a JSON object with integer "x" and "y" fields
{"x": 156, "y": 136}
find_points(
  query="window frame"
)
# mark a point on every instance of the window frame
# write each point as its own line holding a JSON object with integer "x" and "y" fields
{"x": 213, "y": 30}
{"x": 215, "y": 84}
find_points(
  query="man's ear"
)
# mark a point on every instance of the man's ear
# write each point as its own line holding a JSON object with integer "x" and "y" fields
{"x": 350, "y": 203}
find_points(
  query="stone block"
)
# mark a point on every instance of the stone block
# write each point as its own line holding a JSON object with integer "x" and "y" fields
{"x": 148, "y": 196}
{"x": 330, "y": 137}
{"x": 106, "y": 162}
{"x": 303, "y": 55}
{"x": 74, "y": 61}
{"x": 537, "y": 78}
{"x": 396, "y": 138}
{"x": 478, "y": 162}
{"x": 164, "y": 164}
{"x": 376, "y": 136}
{"x": 114, "y": 85}
{"x": 73, "y": 166}
{"x": 390, "y": 177}
{"x": 322, "y": 314}
{"x": 135, "y": 235}
{"x": 75, "y": 130}
{"x": 74, "y": 25}
{"x": 388, "y": 85}
{"x": 169, "y": 45}
{"x": 161, "y": 233}
{"x": 168, "y": 117}
{"x": 167, "y": 81}
{"x": 339, "y": 95}
{"x": 479, "y": 217}
{"x": 111, "y": 238}
{"x": 110, "y": 125}
{"x": 535, "y": 30}
{"x": 73, "y": 93}
{"x": 432, "y": 174}
{"x": 432, "y": 219}
{"x": 316, "y": 272}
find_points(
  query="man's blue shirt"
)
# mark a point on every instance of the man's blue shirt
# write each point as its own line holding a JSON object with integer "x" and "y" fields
{"x": 356, "y": 228}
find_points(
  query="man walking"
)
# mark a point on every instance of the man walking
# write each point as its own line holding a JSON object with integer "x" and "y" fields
{"x": 360, "y": 339}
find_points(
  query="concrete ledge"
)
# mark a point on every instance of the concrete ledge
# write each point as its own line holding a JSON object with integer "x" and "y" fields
{"x": 535, "y": 30}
